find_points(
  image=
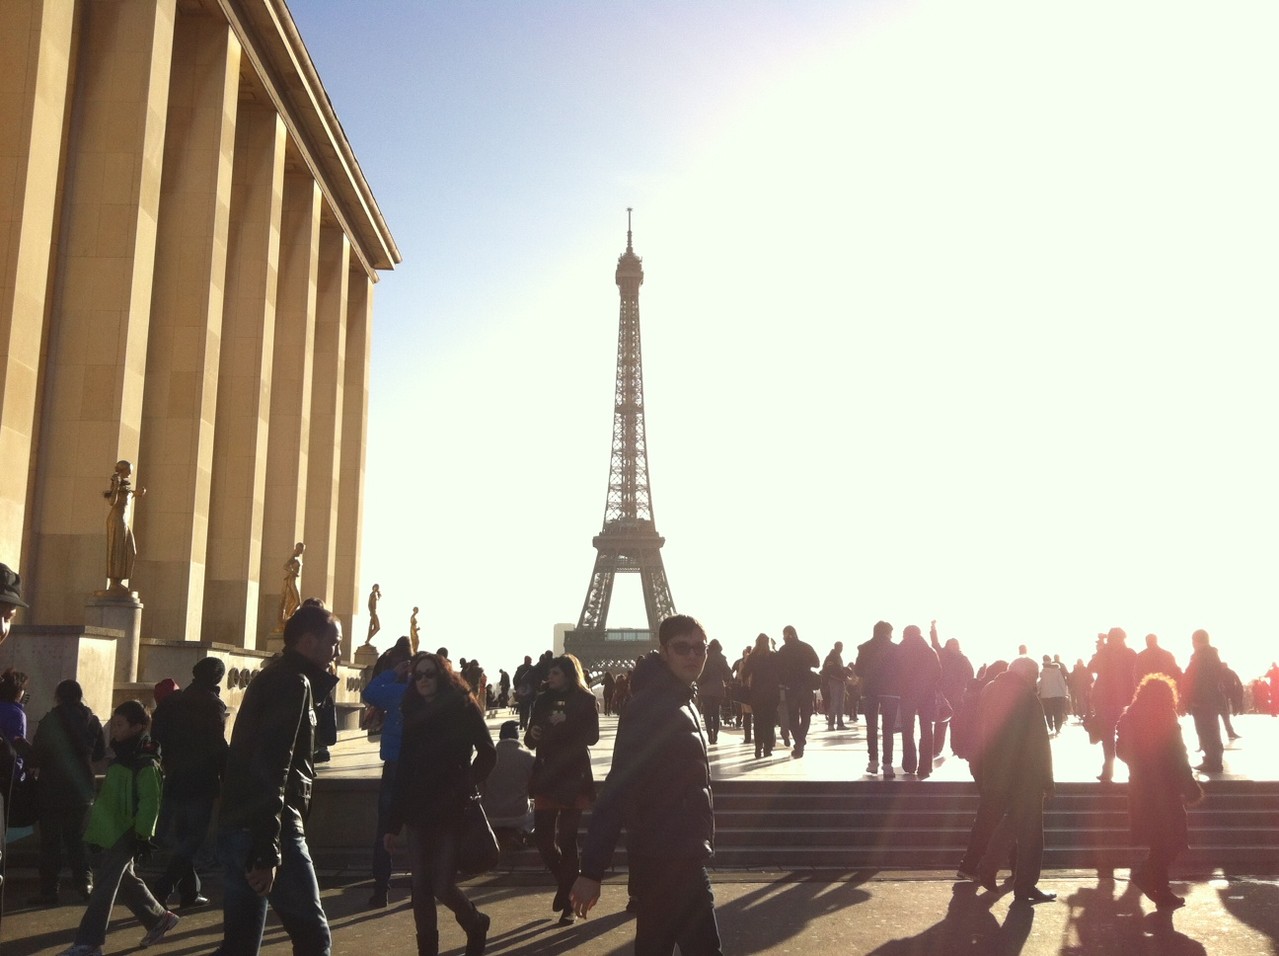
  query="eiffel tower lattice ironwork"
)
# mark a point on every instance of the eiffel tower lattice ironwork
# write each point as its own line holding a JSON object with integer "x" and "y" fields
{"x": 628, "y": 541}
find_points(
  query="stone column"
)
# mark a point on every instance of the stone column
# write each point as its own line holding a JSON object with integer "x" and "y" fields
{"x": 327, "y": 387}
{"x": 355, "y": 424}
{"x": 290, "y": 422}
{"x": 101, "y": 311}
{"x": 178, "y": 411}
{"x": 32, "y": 113}
{"x": 234, "y": 561}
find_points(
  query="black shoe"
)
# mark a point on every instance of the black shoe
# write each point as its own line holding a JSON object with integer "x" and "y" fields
{"x": 478, "y": 935}
{"x": 568, "y": 917}
{"x": 43, "y": 899}
{"x": 987, "y": 881}
{"x": 1035, "y": 895}
{"x": 378, "y": 900}
{"x": 323, "y": 756}
{"x": 199, "y": 900}
{"x": 1170, "y": 901}
{"x": 632, "y": 905}
{"x": 1206, "y": 767}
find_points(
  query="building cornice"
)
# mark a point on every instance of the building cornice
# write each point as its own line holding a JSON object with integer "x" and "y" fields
{"x": 272, "y": 44}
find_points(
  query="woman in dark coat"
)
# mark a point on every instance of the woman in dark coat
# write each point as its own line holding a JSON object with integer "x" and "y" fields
{"x": 443, "y": 730}
{"x": 1160, "y": 784}
{"x": 712, "y": 687}
{"x": 564, "y": 724}
{"x": 762, "y": 680}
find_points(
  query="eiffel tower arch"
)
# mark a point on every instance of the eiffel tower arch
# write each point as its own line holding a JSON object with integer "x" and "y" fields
{"x": 628, "y": 542}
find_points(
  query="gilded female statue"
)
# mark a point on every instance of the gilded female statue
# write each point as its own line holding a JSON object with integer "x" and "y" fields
{"x": 290, "y": 598}
{"x": 121, "y": 548}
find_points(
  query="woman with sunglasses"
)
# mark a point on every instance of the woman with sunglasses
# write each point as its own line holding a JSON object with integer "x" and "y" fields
{"x": 445, "y": 752}
{"x": 564, "y": 724}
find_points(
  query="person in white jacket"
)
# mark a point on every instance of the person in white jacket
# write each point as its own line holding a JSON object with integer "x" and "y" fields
{"x": 1054, "y": 695}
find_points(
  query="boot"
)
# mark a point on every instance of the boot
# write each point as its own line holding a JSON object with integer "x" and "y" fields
{"x": 477, "y": 933}
{"x": 746, "y": 722}
{"x": 428, "y": 944}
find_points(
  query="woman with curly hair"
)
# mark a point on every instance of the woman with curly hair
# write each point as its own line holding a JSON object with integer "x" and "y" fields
{"x": 1160, "y": 784}
{"x": 445, "y": 752}
{"x": 564, "y": 724}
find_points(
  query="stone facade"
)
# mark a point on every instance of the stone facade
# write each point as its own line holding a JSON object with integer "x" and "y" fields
{"x": 187, "y": 257}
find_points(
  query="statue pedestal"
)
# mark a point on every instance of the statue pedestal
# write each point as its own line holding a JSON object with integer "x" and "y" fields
{"x": 366, "y": 655}
{"x": 120, "y": 609}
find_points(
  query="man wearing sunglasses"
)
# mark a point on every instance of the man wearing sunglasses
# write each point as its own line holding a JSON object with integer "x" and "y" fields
{"x": 659, "y": 788}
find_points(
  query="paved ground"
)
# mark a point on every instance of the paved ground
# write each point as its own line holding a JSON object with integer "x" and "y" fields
{"x": 763, "y": 913}
{"x": 882, "y": 913}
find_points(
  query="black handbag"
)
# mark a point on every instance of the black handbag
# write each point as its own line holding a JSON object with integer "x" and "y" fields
{"x": 477, "y": 847}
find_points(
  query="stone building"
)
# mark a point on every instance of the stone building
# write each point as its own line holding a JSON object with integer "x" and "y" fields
{"x": 188, "y": 251}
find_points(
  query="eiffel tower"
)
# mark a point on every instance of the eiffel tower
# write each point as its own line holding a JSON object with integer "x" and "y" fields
{"x": 629, "y": 542}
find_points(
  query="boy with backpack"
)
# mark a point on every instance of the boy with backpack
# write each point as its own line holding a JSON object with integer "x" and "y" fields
{"x": 122, "y": 827}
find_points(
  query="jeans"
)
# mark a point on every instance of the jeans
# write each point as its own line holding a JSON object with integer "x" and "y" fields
{"x": 555, "y": 832}
{"x": 1108, "y": 721}
{"x": 765, "y": 718}
{"x": 190, "y": 818}
{"x": 675, "y": 905}
{"x": 835, "y": 702}
{"x": 1002, "y": 822}
{"x": 385, "y": 794}
{"x": 799, "y": 708}
{"x": 433, "y": 861}
{"x": 115, "y": 874}
{"x": 711, "y": 707}
{"x": 926, "y": 711}
{"x": 295, "y": 897}
{"x": 880, "y": 710}
{"x": 1208, "y": 729}
{"x": 62, "y": 828}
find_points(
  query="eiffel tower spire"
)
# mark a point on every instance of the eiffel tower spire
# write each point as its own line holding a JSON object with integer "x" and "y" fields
{"x": 628, "y": 541}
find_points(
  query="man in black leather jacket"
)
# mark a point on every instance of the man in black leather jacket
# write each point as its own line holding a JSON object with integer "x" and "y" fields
{"x": 659, "y": 787}
{"x": 266, "y": 792}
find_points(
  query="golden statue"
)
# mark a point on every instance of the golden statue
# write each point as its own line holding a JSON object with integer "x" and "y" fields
{"x": 413, "y": 632}
{"x": 290, "y": 598}
{"x": 121, "y": 548}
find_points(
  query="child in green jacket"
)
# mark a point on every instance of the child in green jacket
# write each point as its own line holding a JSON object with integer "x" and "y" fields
{"x": 121, "y": 827}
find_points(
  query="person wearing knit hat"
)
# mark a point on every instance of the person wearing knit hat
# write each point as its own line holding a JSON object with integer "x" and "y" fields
{"x": 190, "y": 726}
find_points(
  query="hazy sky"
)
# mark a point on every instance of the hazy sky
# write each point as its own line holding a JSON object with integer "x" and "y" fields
{"x": 954, "y": 311}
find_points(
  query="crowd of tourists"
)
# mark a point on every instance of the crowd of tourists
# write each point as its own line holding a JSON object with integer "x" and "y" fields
{"x": 170, "y": 770}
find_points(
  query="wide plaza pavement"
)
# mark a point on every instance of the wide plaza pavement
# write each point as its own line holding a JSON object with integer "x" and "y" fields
{"x": 872, "y": 912}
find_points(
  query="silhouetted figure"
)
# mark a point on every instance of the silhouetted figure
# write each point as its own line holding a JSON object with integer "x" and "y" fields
{"x": 1013, "y": 768}
{"x": 763, "y": 683}
{"x": 1113, "y": 665}
{"x": 1203, "y": 699}
{"x": 876, "y": 665}
{"x": 1155, "y": 660}
{"x": 919, "y": 675}
{"x": 1160, "y": 784}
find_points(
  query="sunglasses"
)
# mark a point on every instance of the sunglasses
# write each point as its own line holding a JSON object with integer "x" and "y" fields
{"x": 424, "y": 675}
{"x": 687, "y": 650}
